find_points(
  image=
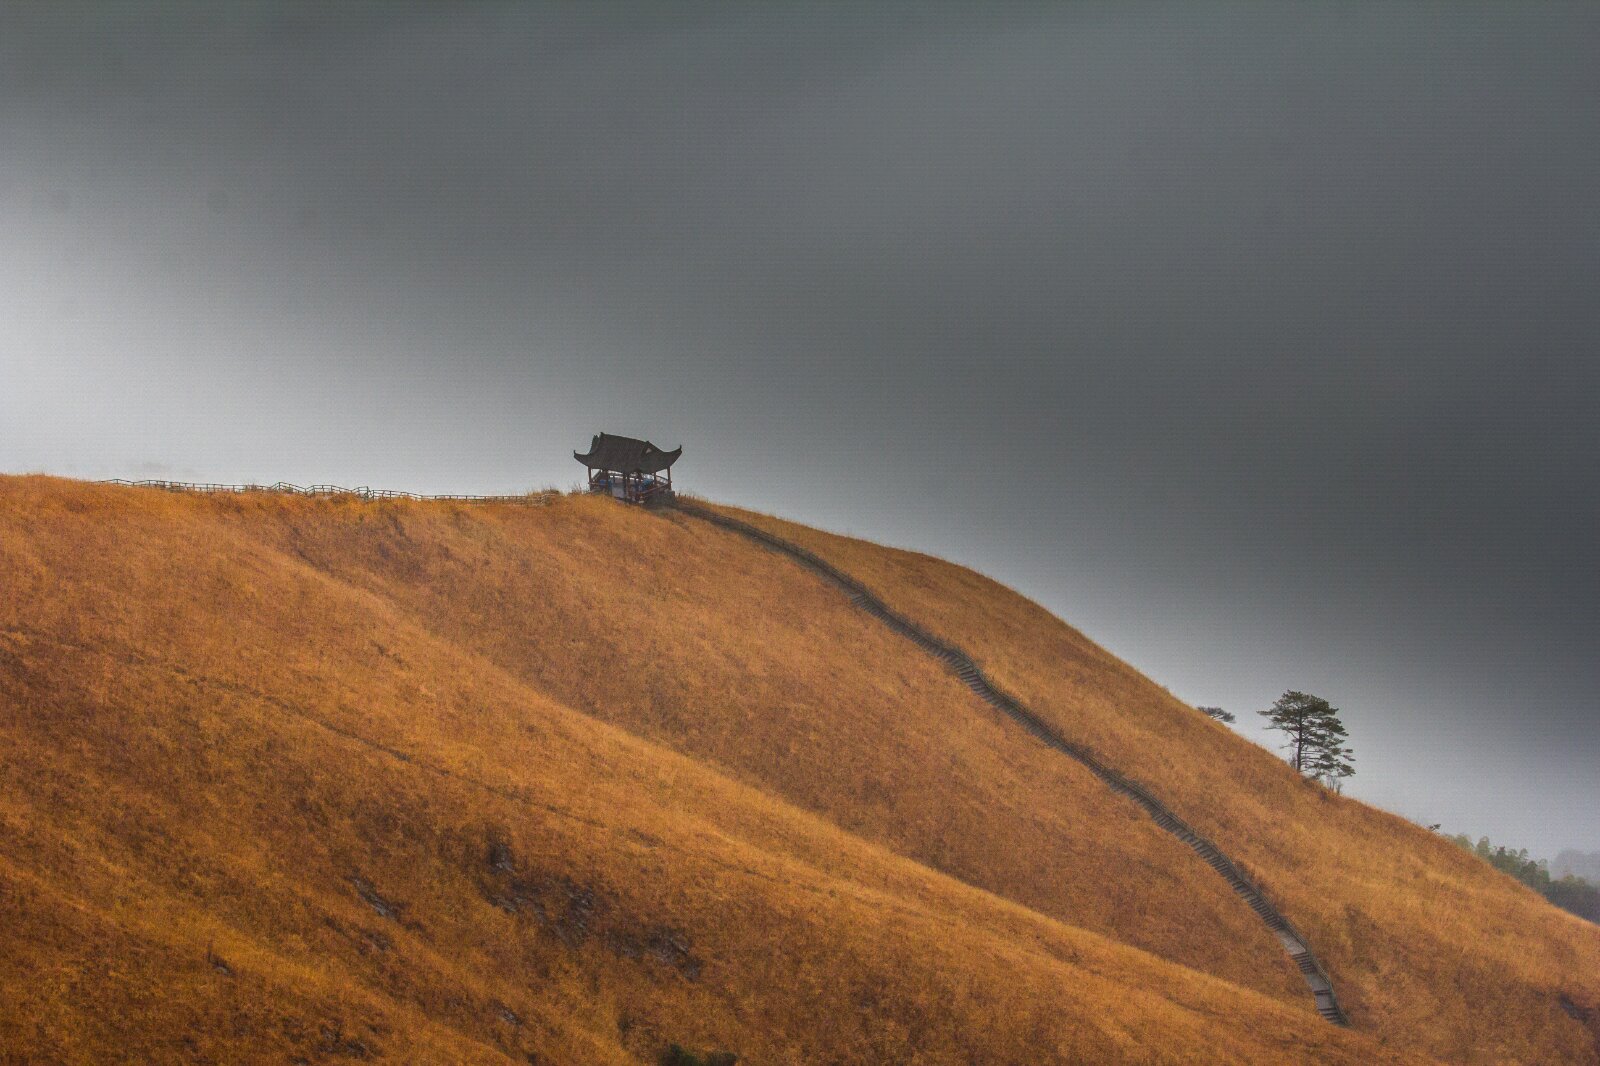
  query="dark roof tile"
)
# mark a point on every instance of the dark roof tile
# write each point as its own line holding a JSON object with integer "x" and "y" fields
{"x": 626, "y": 455}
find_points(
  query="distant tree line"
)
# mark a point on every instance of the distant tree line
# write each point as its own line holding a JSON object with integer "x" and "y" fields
{"x": 1573, "y": 894}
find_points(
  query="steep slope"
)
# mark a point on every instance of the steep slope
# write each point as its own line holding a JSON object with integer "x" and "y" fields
{"x": 287, "y": 779}
{"x": 699, "y": 640}
{"x": 1294, "y": 942}
{"x": 1427, "y": 947}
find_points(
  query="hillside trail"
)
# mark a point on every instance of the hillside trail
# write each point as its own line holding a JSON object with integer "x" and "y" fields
{"x": 1293, "y": 941}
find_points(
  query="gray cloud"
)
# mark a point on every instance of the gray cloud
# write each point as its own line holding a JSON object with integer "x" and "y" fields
{"x": 1256, "y": 340}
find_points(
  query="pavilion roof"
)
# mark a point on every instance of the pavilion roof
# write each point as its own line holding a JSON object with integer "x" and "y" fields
{"x": 625, "y": 455}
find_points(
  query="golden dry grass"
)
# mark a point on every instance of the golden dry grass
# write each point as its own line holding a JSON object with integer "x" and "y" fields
{"x": 1426, "y": 946}
{"x": 446, "y": 783}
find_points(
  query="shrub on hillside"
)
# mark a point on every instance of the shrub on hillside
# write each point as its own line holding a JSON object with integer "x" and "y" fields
{"x": 1576, "y": 895}
{"x": 677, "y": 1055}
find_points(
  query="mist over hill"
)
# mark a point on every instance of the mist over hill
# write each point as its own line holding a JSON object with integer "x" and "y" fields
{"x": 1571, "y": 863}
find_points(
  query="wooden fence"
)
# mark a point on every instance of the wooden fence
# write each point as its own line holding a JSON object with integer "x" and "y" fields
{"x": 361, "y": 492}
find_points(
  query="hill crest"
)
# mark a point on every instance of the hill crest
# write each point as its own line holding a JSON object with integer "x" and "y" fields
{"x": 697, "y": 818}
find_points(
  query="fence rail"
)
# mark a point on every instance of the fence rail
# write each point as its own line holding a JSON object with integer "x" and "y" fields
{"x": 360, "y": 492}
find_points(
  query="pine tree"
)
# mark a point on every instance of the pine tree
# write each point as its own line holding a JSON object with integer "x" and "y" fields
{"x": 1315, "y": 736}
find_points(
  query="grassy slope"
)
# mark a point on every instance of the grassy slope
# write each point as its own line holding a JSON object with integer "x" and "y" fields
{"x": 227, "y": 719}
{"x": 1426, "y": 946}
{"x": 253, "y": 807}
{"x": 691, "y": 636}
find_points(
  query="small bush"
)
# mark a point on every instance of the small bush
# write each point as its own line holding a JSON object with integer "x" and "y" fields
{"x": 677, "y": 1055}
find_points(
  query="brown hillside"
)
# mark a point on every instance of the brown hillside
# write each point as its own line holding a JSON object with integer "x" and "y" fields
{"x": 692, "y": 637}
{"x": 1426, "y": 946}
{"x": 435, "y": 782}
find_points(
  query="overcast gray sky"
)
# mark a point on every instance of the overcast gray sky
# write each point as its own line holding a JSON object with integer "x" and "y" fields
{"x": 1258, "y": 341}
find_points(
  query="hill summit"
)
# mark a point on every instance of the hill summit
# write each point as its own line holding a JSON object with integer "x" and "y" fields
{"x": 326, "y": 780}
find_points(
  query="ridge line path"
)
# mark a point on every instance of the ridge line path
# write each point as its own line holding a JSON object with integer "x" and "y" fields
{"x": 1293, "y": 941}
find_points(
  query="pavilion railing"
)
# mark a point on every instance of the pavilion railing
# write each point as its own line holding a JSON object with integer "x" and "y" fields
{"x": 636, "y": 487}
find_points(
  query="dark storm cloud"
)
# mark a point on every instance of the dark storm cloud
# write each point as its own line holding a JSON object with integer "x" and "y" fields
{"x": 1258, "y": 340}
